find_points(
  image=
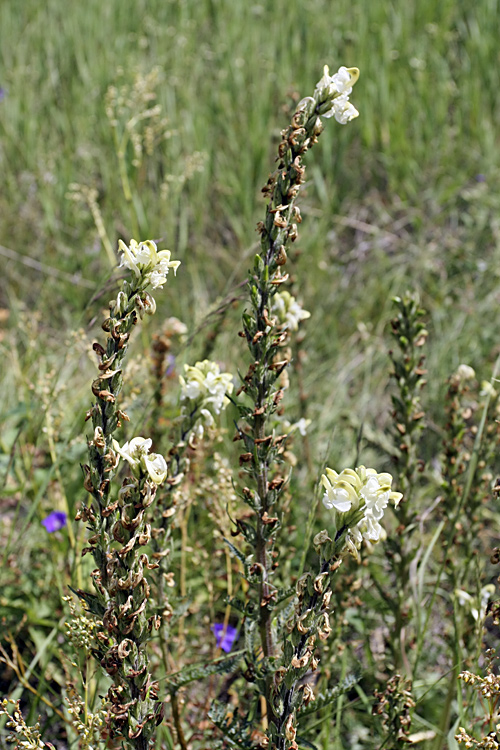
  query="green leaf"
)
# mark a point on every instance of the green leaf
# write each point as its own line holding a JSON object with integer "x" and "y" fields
{"x": 288, "y": 652}
{"x": 237, "y": 732}
{"x": 199, "y": 671}
{"x": 91, "y": 601}
{"x": 248, "y": 532}
{"x": 330, "y": 696}
{"x": 301, "y": 742}
{"x": 250, "y": 635}
{"x": 283, "y": 594}
{"x": 422, "y": 568}
{"x": 236, "y": 552}
{"x": 237, "y": 604}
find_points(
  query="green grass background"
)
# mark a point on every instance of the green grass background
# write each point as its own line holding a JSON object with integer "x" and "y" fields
{"x": 406, "y": 196}
{"x": 392, "y": 200}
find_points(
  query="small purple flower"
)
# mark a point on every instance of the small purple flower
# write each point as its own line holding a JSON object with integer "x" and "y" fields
{"x": 171, "y": 365}
{"x": 55, "y": 521}
{"x": 3, "y": 93}
{"x": 225, "y": 636}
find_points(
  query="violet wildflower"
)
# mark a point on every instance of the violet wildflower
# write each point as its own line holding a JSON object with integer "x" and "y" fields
{"x": 171, "y": 366}
{"x": 225, "y": 636}
{"x": 55, "y": 521}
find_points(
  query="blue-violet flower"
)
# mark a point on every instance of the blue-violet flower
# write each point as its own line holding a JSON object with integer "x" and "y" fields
{"x": 225, "y": 636}
{"x": 55, "y": 521}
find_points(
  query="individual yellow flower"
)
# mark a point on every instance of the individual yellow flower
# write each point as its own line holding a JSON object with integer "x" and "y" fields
{"x": 136, "y": 453}
{"x": 332, "y": 94}
{"x": 146, "y": 261}
{"x": 361, "y": 489}
{"x": 205, "y": 382}
{"x": 289, "y": 312}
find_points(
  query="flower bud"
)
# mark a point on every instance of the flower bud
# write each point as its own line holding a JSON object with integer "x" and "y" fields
{"x": 121, "y": 304}
{"x": 146, "y": 304}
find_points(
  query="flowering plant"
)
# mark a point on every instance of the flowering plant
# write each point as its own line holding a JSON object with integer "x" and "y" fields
{"x": 55, "y": 521}
{"x": 359, "y": 490}
{"x": 225, "y": 636}
{"x": 150, "y": 265}
{"x": 119, "y": 525}
{"x": 333, "y": 94}
{"x": 204, "y": 391}
{"x": 289, "y": 312}
{"x": 136, "y": 453}
{"x": 133, "y": 537}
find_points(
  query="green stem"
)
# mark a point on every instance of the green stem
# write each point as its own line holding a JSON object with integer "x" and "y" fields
{"x": 177, "y": 721}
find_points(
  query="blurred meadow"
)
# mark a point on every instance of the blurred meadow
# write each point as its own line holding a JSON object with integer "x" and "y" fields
{"x": 161, "y": 120}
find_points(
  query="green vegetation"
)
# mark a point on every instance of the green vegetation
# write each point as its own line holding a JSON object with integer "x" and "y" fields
{"x": 161, "y": 119}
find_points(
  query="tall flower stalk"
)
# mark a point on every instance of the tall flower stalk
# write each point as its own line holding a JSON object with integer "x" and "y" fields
{"x": 118, "y": 522}
{"x": 204, "y": 394}
{"x": 408, "y": 360}
{"x": 266, "y": 336}
{"x": 358, "y": 499}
